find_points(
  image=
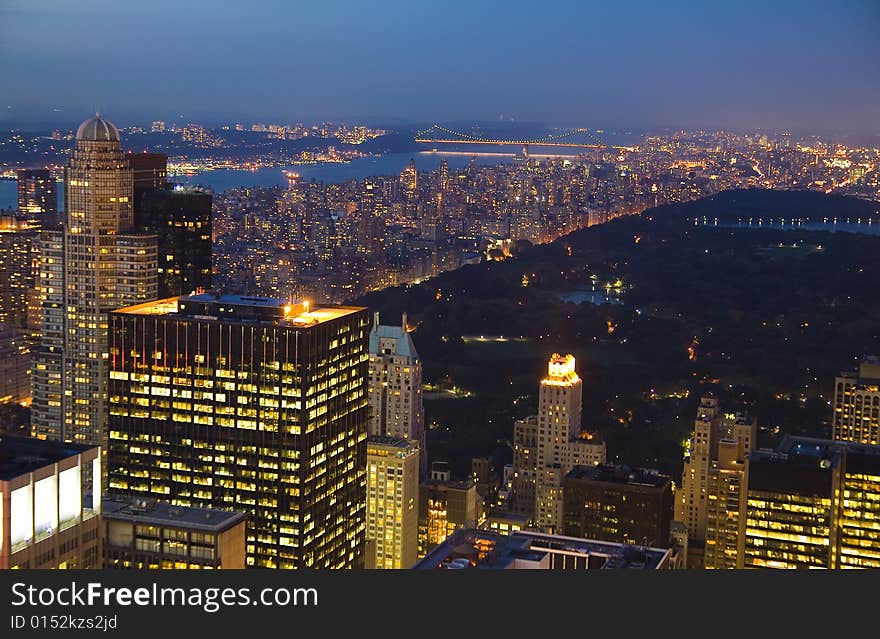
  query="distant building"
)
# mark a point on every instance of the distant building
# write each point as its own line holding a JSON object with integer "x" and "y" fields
{"x": 856, "y": 416}
{"x": 811, "y": 503}
{"x": 619, "y": 504}
{"x": 392, "y": 503}
{"x": 50, "y": 499}
{"x": 395, "y": 389}
{"x": 158, "y": 126}
{"x": 445, "y": 506}
{"x": 150, "y": 534}
{"x": 490, "y": 550}
{"x": 37, "y": 192}
{"x": 481, "y": 470}
{"x": 253, "y": 404}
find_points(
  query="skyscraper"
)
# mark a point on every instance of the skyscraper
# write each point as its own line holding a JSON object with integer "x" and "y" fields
{"x": 735, "y": 435}
{"x": 37, "y": 192}
{"x": 525, "y": 465}
{"x": 19, "y": 319}
{"x": 396, "y": 408}
{"x": 856, "y": 416}
{"x": 247, "y": 403}
{"x": 724, "y": 490}
{"x": 181, "y": 219}
{"x": 392, "y": 503}
{"x": 811, "y": 503}
{"x": 561, "y": 442}
{"x": 106, "y": 264}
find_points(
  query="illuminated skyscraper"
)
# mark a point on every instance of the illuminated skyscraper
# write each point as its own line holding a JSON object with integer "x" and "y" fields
{"x": 392, "y": 503}
{"x": 37, "y": 192}
{"x": 724, "y": 490}
{"x": 19, "y": 306}
{"x": 561, "y": 444}
{"x": 409, "y": 178}
{"x": 690, "y": 502}
{"x": 105, "y": 264}
{"x": 856, "y": 415}
{"x": 705, "y": 479}
{"x": 396, "y": 408}
{"x": 252, "y": 404}
{"x": 811, "y": 503}
{"x": 444, "y": 175}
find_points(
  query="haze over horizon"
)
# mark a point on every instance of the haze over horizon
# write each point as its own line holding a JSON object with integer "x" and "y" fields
{"x": 758, "y": 65}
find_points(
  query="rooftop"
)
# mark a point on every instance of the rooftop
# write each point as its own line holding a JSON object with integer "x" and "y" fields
{"x": 612, "y": 474}
{"x": 403, "y": 347}
{"x": 22, "y": 455}
{"x": 490, "y": 550}
{"x": 214, "y": 306}
{"x": 160, "y": 513}
{"x": 389, "y": 442}
{"x": 97, "y": 129}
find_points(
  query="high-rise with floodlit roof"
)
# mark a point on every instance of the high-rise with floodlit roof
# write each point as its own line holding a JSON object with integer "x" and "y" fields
{"x": 247, "y": 403}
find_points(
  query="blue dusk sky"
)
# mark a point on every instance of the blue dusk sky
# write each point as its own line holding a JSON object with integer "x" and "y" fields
{"x": 770, "y": 64}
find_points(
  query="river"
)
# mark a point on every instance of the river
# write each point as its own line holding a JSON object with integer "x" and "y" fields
{"x": 220, "y": 180}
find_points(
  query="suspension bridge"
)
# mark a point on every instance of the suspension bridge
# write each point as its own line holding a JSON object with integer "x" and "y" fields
{"x": 579, "y": 138}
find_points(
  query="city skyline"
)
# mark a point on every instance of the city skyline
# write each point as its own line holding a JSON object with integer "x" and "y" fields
{"x": 311, "y": 287}
{"x": 638, "y": 66}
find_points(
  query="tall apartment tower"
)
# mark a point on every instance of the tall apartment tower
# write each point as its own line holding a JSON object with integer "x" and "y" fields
{"x": 37, "y": 192}
{"x": 392, "y": 503}
{"x": 811, "y": 503}
{"x": 724, "y": 490}
{"x": 105, "y": 264}
{"x": 857, "y": 404}
{"x": 251, "y": 404}
{"x": 690, "y": 502}
{"x": 561, "y": 444}
{"x": 525, "y": 465}
{"x": 396, "y": 408}
{"x": 708, "y": 476}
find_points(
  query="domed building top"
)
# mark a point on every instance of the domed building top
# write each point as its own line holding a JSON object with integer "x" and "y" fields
{"x": 97, "y": 129}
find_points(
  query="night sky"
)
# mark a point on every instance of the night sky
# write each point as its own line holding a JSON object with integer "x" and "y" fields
{"x": 769, "y": 64}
